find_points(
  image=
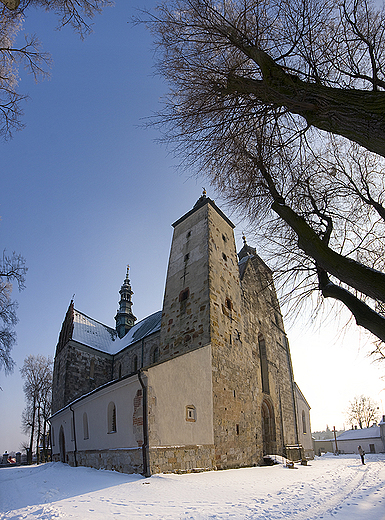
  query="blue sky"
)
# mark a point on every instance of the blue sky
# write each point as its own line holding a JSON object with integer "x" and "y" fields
{"x": 85, "y": 190}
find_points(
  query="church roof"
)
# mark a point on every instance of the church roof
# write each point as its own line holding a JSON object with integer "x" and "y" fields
{"x": 360, "y": 433}
{"x": 94, "y": 334}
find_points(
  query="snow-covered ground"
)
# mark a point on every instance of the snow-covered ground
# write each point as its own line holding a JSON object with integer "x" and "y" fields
{"x": 329, "y": 487}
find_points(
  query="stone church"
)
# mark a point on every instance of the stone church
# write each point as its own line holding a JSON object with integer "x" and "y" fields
{"x": 205, "y": 383}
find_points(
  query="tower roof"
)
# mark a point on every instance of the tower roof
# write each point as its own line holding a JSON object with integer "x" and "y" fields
{"x": 202, "y": 201}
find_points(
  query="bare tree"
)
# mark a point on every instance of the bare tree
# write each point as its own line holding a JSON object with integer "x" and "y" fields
{"x": 260, "y": 94}
{"x": 37, "y": 374}
{"x": 320, "y": 60}
{"x": 29, "y": 54}
{"x": 363, "y": 412}
{"x": 12, "y": 269}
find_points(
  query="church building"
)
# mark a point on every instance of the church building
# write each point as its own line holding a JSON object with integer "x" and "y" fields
{"x": 205, "y": 383}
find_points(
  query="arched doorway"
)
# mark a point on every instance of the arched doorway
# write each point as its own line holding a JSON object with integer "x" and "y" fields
{"x": 62, "y": 445}
{"x": 268, "y": 428}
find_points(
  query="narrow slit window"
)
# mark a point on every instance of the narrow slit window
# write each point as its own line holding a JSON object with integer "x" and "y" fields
{"x": 85, "y": 427}
{"x": 304, "y": 429}
{"x": 92, "y": 369}
{"x": 111, "y": 418}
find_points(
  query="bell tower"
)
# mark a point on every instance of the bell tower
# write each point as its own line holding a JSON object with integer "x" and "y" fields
{"x": 124, "y": 317}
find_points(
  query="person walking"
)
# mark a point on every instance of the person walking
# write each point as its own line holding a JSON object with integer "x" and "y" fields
{"x": 362, "y": 454}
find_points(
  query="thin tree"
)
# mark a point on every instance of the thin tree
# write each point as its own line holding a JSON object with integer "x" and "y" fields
{"x": 260, "y": 93}
{"x": 12, "y": 270}
{"x": 37, "y": 374}
{"x": 29, "y": 53}
{"x": 363, "y": 412}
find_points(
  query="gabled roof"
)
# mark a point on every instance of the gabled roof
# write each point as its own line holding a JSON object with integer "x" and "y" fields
{"x": 360, "y": 433}
{"x": 94, "y": 334}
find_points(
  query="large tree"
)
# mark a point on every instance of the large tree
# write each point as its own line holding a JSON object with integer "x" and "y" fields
{"x": 281, "y": 104}
{"x": 28, "y": 53}
{"x": 37, "y": 374}
{"x": 362, "y": 412}
{"x": 12, "y": 270}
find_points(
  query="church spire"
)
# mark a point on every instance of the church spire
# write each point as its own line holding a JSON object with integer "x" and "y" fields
{"x": 124, "y": 317}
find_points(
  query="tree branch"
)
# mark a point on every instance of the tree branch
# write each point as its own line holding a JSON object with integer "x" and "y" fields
{"x": 363, "y": 314}
{"x": 364, "y": 279}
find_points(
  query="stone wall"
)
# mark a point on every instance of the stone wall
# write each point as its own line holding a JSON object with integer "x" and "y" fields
{"x": 182, "y": 459}
{"x": 232, "y": 373}
{"x": 185, "y": 318}
{"x": 122, "y": 460}
{"x": 124, "y": 361}
{"x": 87, "y": 369}
{"x": 263, "y": 320}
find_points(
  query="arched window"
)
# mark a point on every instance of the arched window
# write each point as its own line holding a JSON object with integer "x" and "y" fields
{"x": 264, "y": 364}
{"x": 111, "y": 417}
{"x": 62, "y": 445}
{"x": 85, "y": 426}
{"x": 304, "y": 422}
{"x": 183, "y": 297}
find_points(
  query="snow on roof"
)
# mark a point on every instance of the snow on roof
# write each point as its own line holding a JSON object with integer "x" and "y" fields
{"x": 360, "y": 433}
{"x": 93, "y": 333}
{"x": 140, "y": 330}
{"x": 101, "y": 337}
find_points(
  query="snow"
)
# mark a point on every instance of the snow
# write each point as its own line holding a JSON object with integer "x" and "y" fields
{"x": 101, "y": 337}
{"x": 328, "y": 487}
{"x": 361, "y": 433}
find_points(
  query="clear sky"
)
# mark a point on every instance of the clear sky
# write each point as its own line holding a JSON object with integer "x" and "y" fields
{"x": 85, "y": 191}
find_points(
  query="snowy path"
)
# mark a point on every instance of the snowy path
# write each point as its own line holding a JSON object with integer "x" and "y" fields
{"x": 329, "y": 487}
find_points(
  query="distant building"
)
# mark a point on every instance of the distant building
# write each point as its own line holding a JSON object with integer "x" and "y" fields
{"x": 371, "y": 439}
{"x": 206, "y": 383}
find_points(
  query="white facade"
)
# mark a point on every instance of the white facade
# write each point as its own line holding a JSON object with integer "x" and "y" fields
{"x": 180, "y": 400}
{"x": 372, "y": 440}
{"x": 303, "y": 423}
{"x": 110, "y": 419}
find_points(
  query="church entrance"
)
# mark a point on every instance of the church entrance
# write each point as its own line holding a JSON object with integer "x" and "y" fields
{"x": 62, "y": 445}
{"x": 268, "y": 428}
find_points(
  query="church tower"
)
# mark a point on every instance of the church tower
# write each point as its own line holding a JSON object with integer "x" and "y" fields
{"x": 124, "y": 317}
{"x": 212, "y": 301}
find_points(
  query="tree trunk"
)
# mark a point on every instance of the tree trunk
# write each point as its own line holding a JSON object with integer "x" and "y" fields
{"x": 29, "y": 461}
{"x": 358, "y": 115}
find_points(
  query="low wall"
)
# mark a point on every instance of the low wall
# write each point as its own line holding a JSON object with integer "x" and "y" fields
{"x": 122, "y": 460}
{"x": 182, "y": 459}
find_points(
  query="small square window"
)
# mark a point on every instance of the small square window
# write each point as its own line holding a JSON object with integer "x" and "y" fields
{"x": 191, "y": 413}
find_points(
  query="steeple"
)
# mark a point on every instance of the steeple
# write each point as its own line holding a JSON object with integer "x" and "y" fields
{"x": 124, "y": 317}
{"x": 246, "y": 249}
